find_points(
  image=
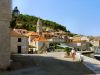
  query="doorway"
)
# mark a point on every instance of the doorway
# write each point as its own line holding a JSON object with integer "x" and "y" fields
{"x": 19, "y": 49}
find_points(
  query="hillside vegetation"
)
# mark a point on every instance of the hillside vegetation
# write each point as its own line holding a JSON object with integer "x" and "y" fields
{"x": 29, "y": 22}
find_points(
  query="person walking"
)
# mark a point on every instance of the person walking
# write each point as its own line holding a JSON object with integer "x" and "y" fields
{"x": 81, "y": 57}
{"x": 73, "y": 53}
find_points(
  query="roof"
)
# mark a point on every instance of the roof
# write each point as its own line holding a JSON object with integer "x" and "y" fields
{"x": 30, "y": 33}
{"x": 20, "y": 31}
{"x": 48, "y": 33}
{"x": 16, "y": 34}
{"x": 40, "y": 38}
{"x": 78, "y": 41}
{"x": 61, "y": 32}
{"x": 76, "y": 38}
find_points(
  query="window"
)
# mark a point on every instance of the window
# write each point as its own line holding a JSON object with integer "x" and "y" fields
{"x": 19, "y": 39}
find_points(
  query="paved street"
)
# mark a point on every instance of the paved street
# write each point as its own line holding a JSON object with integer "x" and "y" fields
{"x": 49, "y": 64}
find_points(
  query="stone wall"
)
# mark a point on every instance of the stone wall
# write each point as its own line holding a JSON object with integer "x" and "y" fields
{"x": 23, "y": 44}
{"x": 5, "y": 17}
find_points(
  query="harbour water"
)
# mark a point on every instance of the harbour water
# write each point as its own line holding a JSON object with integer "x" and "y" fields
{"x": 90, "y": 55}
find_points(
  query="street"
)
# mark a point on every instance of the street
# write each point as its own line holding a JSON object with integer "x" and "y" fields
{"x": 48, "y": 64}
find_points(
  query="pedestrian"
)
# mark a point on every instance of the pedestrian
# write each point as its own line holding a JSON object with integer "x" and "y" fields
{"x": 81, "y": 58}
{"x": 73, "y": 53}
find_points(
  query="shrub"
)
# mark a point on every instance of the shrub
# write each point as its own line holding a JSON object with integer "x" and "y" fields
{"x": 68, "y": 50}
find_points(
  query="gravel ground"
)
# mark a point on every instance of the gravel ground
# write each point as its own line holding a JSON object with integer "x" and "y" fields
{"x": 47, "y": 64}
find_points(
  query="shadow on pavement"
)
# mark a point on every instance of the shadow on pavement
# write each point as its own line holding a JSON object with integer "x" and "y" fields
{"x": 41, "y": 65}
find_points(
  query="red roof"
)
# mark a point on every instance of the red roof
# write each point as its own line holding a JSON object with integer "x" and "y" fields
{"x": 40, "y": 38}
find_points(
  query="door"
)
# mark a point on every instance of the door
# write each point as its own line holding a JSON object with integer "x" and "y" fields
{"x": 19, "y": 49}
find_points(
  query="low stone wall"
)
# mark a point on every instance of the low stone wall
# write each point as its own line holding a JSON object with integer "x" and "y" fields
{"x": 91, "y": 63}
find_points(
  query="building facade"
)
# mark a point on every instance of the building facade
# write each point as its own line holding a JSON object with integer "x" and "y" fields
{"x": 19, "y": 42}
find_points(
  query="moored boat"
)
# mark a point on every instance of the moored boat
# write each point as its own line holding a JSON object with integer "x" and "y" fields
{"x": 97, "y": 54}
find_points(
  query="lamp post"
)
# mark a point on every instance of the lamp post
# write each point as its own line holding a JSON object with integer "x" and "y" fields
{"x": 15, "y": 14}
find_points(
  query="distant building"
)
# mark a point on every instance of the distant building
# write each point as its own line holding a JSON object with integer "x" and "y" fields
{"x": 40, "y": 42}
{"x": 58, "y": 37}
{"x": 36, "y": 39}
{"x": 19, "y": 41}
{"x": 85, "y": 38}
{"x": 80, "y": 42}
{"x": 95, "y": 42}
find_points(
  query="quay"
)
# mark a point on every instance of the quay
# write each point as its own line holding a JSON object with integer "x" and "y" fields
{"x": 52, "y": 63}
{"x": 91, "y": 63}
{"x": 85, "y": 52}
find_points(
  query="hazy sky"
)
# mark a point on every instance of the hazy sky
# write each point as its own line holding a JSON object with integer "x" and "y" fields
{"x": 79, "y": 16}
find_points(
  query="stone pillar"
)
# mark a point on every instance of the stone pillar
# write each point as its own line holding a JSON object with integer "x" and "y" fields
{"x": 5, "y": 17}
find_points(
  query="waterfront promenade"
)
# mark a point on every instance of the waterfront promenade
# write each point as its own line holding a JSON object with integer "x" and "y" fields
{"x": 92, "y": 64}
{"x": 48, "y": 64}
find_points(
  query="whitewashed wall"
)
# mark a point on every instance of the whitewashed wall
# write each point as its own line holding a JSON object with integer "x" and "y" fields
{"x": 23, "y": 44}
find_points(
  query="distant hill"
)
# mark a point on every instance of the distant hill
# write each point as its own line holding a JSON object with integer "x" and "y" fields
{"x": 29, "y": 23}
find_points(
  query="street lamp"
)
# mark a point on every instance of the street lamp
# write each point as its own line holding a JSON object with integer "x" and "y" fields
{"x": 15, "y": 14}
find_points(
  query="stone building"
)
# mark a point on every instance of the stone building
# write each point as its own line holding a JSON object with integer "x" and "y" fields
{"x": 5, "y": 17}
{"x": 19, "y": 41}
{"x": 36, "y": 39}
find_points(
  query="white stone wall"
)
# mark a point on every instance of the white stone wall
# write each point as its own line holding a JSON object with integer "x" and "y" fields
{"x": 5, "y": 17}
{"x": 33, "y": 44}
{"x": 60, "y": 40}
{"x": 23, "y": 44}
{"x": 39, "y": 44}
{"x": 85, "y": 38}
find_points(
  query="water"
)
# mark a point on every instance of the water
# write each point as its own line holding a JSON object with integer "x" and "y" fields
{"x": 90, "y": 55}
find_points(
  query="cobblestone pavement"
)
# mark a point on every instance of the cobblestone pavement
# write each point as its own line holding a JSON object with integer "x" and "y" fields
{"x": 48, "y": 64}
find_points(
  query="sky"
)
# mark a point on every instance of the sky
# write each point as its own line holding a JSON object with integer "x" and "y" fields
{"x": 78, "y": 16}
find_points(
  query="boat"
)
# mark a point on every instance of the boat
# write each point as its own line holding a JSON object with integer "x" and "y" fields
{"x": 97, "y": 53}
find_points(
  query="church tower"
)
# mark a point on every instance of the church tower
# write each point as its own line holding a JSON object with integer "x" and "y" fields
{"x": 39, "y": 27}
{"x": 5, "y": 18}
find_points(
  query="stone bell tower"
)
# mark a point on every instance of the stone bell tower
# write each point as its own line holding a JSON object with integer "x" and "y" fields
{"x": 39, "y": 26}
{"x": 5, "y": 18}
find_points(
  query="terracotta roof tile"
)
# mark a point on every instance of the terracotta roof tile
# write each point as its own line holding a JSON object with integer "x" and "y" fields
{"x": 30, "y": 33}
{"x": 16, "y": 34}
{"x": 48, "y": 33}
{"x": 40, "y": 38}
